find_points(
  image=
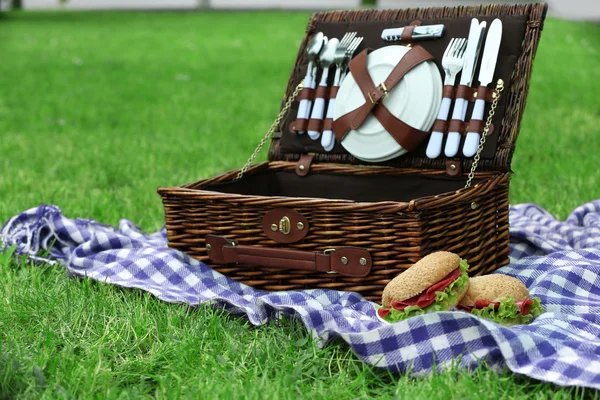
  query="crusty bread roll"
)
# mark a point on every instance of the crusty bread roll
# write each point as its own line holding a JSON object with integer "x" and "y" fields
{"x": 423, "y": 274}
{"x": 494, "y": 288}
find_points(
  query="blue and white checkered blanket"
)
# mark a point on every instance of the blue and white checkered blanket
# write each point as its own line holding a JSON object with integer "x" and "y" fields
{"x": 558, "y": 261}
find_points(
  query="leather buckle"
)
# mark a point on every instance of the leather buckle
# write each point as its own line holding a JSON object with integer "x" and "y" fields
{"x": 328, "y": 252}
{"x": 385, "y": 92}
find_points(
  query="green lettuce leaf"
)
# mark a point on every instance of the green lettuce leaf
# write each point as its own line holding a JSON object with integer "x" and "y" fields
{"x": 443, "y": 300}
{"x": 508, "y": 313}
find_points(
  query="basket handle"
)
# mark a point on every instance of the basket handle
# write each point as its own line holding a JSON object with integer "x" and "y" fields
{"x": 347, "y": 261}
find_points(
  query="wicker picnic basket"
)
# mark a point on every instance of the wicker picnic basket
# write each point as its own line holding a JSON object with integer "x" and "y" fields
{"x": 312, "y": 219}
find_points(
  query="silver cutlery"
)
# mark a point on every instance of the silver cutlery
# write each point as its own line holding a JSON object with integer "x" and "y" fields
{"x": 452, "y": 63}
{"x": 325, "y": 60}
{"x": 486, "y": 74}
{"x": 351, "y": 49}
{"x": 315, "y": 45}
{"x": 343, "y": 54}
{"x": 418, "y": 33}
{"x": 474, "y": 42}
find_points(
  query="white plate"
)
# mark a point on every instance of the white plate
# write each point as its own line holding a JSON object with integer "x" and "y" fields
{"x": 415, "y": 100}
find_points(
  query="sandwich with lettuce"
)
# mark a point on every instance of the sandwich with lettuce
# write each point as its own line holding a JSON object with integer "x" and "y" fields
{"x": 500, "y": 298}
{"x": 437, "y": 282}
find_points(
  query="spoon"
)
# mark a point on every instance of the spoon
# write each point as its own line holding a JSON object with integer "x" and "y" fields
{"x": 312, "y": 51}
{"x": 326, "y": 59}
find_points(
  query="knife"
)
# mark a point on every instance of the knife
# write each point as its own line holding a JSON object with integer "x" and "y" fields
{"x": 474, "y": 42}
{"x": 486, "y": 74}
{"x": 419, "y": 32}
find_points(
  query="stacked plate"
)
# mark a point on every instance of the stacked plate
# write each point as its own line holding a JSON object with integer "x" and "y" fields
{"x": 415, "y": 100}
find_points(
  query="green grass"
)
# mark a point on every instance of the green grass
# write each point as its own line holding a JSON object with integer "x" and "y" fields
{"x": 97, "y": 110}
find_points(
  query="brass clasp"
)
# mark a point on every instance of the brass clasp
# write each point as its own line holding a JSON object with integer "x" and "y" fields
{"x": 284, "y": 225}
{"x": 385, "y": 93}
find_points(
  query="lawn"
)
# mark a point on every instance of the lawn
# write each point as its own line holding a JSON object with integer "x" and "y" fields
{"x": 97, "y": 110}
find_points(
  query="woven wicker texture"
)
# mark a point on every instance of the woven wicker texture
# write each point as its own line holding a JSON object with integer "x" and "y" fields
{"x": 471, "y": 222}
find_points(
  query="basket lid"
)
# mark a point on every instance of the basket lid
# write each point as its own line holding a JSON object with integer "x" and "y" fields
{"x": 522, "y": 25}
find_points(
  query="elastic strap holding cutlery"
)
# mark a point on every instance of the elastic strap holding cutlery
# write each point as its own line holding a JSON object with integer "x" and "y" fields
{"x": 328, "y": 122}
{"x": 471, "y": 94}
{"x": 306, "y": 94}
{"x": 407, "y": 32}
{"x": 407, "y": 136}
{"x": 441, "y": 125}
{"x": 315, "y": 124}
{"x": 301, "y": 124}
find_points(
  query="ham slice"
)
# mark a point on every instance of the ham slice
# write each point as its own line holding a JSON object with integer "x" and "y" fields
{"x": 427, "y": 297}
{"x": 524, "y": 305}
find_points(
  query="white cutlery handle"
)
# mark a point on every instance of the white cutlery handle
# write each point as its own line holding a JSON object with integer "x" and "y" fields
{"x": 472, "y": 140}
{"x": 327, "y": 139}
{"x": 453, "y": 139}
{"x": 434, "y": 147}
{"x": 302, "y": 107}
{"x": 330, "y": 108}
{"x": 317, "y": 113}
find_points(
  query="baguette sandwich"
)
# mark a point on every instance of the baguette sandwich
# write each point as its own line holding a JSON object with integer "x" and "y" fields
{"x": 500, "y": 298}
{"x": 435, "y": 283}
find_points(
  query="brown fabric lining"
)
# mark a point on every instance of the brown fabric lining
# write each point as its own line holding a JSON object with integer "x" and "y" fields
{"x": 360, "y": 188}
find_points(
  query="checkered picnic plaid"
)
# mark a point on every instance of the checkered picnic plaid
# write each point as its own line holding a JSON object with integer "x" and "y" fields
{"x": 558, "y": 261}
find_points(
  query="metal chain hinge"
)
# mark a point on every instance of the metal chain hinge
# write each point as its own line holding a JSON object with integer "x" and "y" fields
{"x": 269, "y": 133}
{"x": 486, "y": 129}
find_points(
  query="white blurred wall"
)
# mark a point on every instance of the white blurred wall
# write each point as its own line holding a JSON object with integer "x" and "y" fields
{"x": 569, "y": 9}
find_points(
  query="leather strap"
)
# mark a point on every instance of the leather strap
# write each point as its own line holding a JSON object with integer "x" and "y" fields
{"x": 333, "y": 92}
{"x": 407, "y": 136}
{"x": 485, "y": 93}
{"x": 303, "y": 165}
{"x": 299, "y": 125}
{"x": 407, "y": 32}
{"x": 476, "y": 125}
{"x": 456, "y": 125}
{"x": 468, "y": 93}
{"x": 315, "y": 124}
{"x": 328, "y": 124}
{"x": 306, "y": 94}
{"x": 347, "y": 261}
{"x": 440, "y": 125}
{"x": 448, "y": 91}
{"x": 465, "y": 92}
{"x": 322, "y": 92}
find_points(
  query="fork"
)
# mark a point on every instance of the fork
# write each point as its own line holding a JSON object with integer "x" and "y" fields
{"x": 452, "y": 63}
{"x": 342, "y": 57}
{"x": 328, "y": 59}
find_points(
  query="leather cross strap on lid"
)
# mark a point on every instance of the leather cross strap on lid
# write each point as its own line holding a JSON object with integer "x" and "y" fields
{"x": 347, "y": 261}
{"x": 407, "y": 136}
